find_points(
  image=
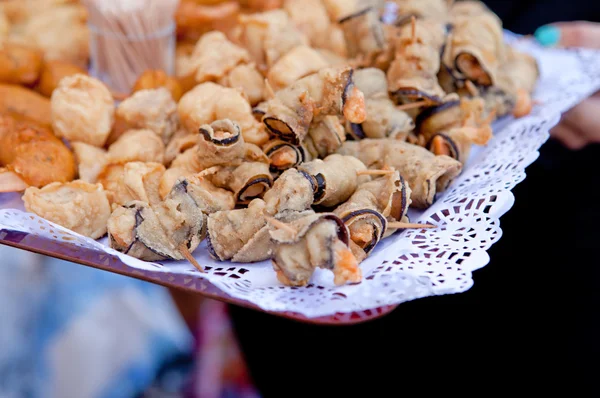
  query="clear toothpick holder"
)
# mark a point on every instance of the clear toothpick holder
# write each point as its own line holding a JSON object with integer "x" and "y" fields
{"x": 119, "y": 59}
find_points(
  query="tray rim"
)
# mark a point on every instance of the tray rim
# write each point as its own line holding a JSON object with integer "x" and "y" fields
{"x": 36, "y": 244}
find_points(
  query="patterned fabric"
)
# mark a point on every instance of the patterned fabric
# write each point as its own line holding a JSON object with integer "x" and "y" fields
{"x": 72, "y": 331}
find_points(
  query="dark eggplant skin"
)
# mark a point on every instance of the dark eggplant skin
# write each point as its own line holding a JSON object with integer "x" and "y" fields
{"x": 288, "y": 136}
{"x": 356, "y": 132}
{"x": 355, "y": 15}
{"x": 455, "y": 152}
{"x": 376, "y": 236}
{"x": 321, "y": 187}
{"x": 313, "y": 182}
{"x": 399, "y": 96}
{"x": 211, "y": 249}
{"x": 225, "y": 142}
{"x": 434, "y": 110}
{"x": 260, "y": 180}
{"x": 462, "y": 73}
{"x": 300, "y": 154}
{"x": 348, "y": 87}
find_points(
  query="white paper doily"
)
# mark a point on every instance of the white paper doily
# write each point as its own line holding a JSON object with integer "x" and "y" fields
{"x": 412, "y": 264}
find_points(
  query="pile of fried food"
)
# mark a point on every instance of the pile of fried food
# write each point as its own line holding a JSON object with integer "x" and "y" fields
{"x": 302, "y": 136}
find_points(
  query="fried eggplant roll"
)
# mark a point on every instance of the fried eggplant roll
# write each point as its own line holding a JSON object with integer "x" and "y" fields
{"x": 325, "y": 136}
{"x": 158, "y": 233}
{"x": 475, "y": 48}
{"x": 331, "y": 91}
{"x": 374, "y": 203}
{"x": 425, "y": 172}
{"x": 383, "y": 119}
{"x": 364, "y": 35}
{"x": 283, "y": 155}
{"x": 413, "y": 73}
{"x": 242, "y": 234}
{"x": 457, "y": 142}
{"x": 220, "y": 142}
{"x": 336, "y": 178}
{"x": 259, "y": 110}
{"x": 248, "y": 181}
{"x": 313, "y": 241}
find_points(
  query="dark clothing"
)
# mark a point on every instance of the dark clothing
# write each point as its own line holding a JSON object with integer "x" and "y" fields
{"x": 531, "y": 316}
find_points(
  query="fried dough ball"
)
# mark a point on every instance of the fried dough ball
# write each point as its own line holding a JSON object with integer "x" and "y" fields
{"x": 19, "y": 64}
{"x": 194, "y": 19}
{"x": 34, "y": 154}
{"x": 24, "y": 104}
{"x": 152, "y": 109}
{"x": 77, "y": 205}
{"x": 91, "y": 161}
{"x": 53, "y": 72}
{"x": 156, "y": 78}
{"x": 60, "y": 32}
{"x": 111, "y": 179}
{"x": 82, "y": 110}
{"x": 180, "y": 142}
{"x": 137, "y": 146}
{"x": 208, "y": 102}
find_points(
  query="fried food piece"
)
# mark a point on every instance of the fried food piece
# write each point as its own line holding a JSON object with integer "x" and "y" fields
{"x": 364, "y": 35}
{"x": 77, "y": 205}
{"x": 82, "y": 110}
{"x": 268, "y": 36}
{"x": 475, "y": 49}
{"x": 248, "y": 181}
{"x": 61, "y": 33}
{"x": 193, "y": 19}
{"x": 137, "y": 146}
{"x": 34, "y": 154}
{"x": 160, "y": 232}
{"x": 293, "y": 191}
{"x": 26, "y": 105}
{"x": 336, "y": 178}
{"x": 217, "y": 59}
{"x": 383, "y": 119}
{"x": 413, "y": 72}
{"x": 153, "y": 79}
{"x": 296, "y": 64}
{"x": 325, "y": 136}
{"x": 208, "y": 102}
{"x": 318, "y": 241}
{"x": 180, "y": 142}
{"x": 311, "y": 18}
{"x": 207, "y": 196}
{"x": 429, "y": 9}
{"x": 19, "y": 64}
{"x": 53, "y": 72}
{"x": 331, "y": 91}
{"x": 152, "y": 109}
{"x": 91, "y": 161}
{"x": 111, "y": 178}
{"x": 142, "y": 180}
{"x": 426, "y": 173}
{"x": 284, "y": 155}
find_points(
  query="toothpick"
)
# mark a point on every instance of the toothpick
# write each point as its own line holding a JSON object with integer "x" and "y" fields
{"x": 404, "y": 225}
{"x": 186, "y": 253}
{"x": 412, "y": 105}
{"x": 281, "y": 225}
{"x": 269, "y": 89}
{"x": 471, "y": 88}
{"x": 209, "y": 171}
{"x": 374, "y": 172}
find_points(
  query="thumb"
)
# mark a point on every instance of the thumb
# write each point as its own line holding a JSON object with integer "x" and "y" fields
{"x": 570, "y": 34}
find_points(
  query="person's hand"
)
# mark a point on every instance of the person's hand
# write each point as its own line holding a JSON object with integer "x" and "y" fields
{"x": 581, "y": 125}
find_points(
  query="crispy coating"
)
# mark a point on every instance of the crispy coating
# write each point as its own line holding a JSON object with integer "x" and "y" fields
{"x": 137, "y": 146}
{"x": 292, "y": 191}
{"x": 208, "y": 102}
{"x": 82, "y": 110}
{"x": 430, "y": 9}
{"x": 320, "y": 241}
{"x": 19, "y": 64}
{"x": 91, "y": 161}
{"x": 179, "y": 143}
{"x": 193, "y": 19}
{"x": 53, "y": 72}
{"x": 77, "y": 205}
{"x": 425, "y": 173}
{"x": 34, "y": 154}
{"x": 111, "y": 178}
{"x": 156, "y": 78}
{"x": 248, "y": 80}
{"x": 152, "y": 109}
{"x": 296, "y": 64}
{"x": 25, "y": 104}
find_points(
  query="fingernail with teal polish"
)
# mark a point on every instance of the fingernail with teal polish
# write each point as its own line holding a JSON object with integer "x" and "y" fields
{"x": 547, "y": 35}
